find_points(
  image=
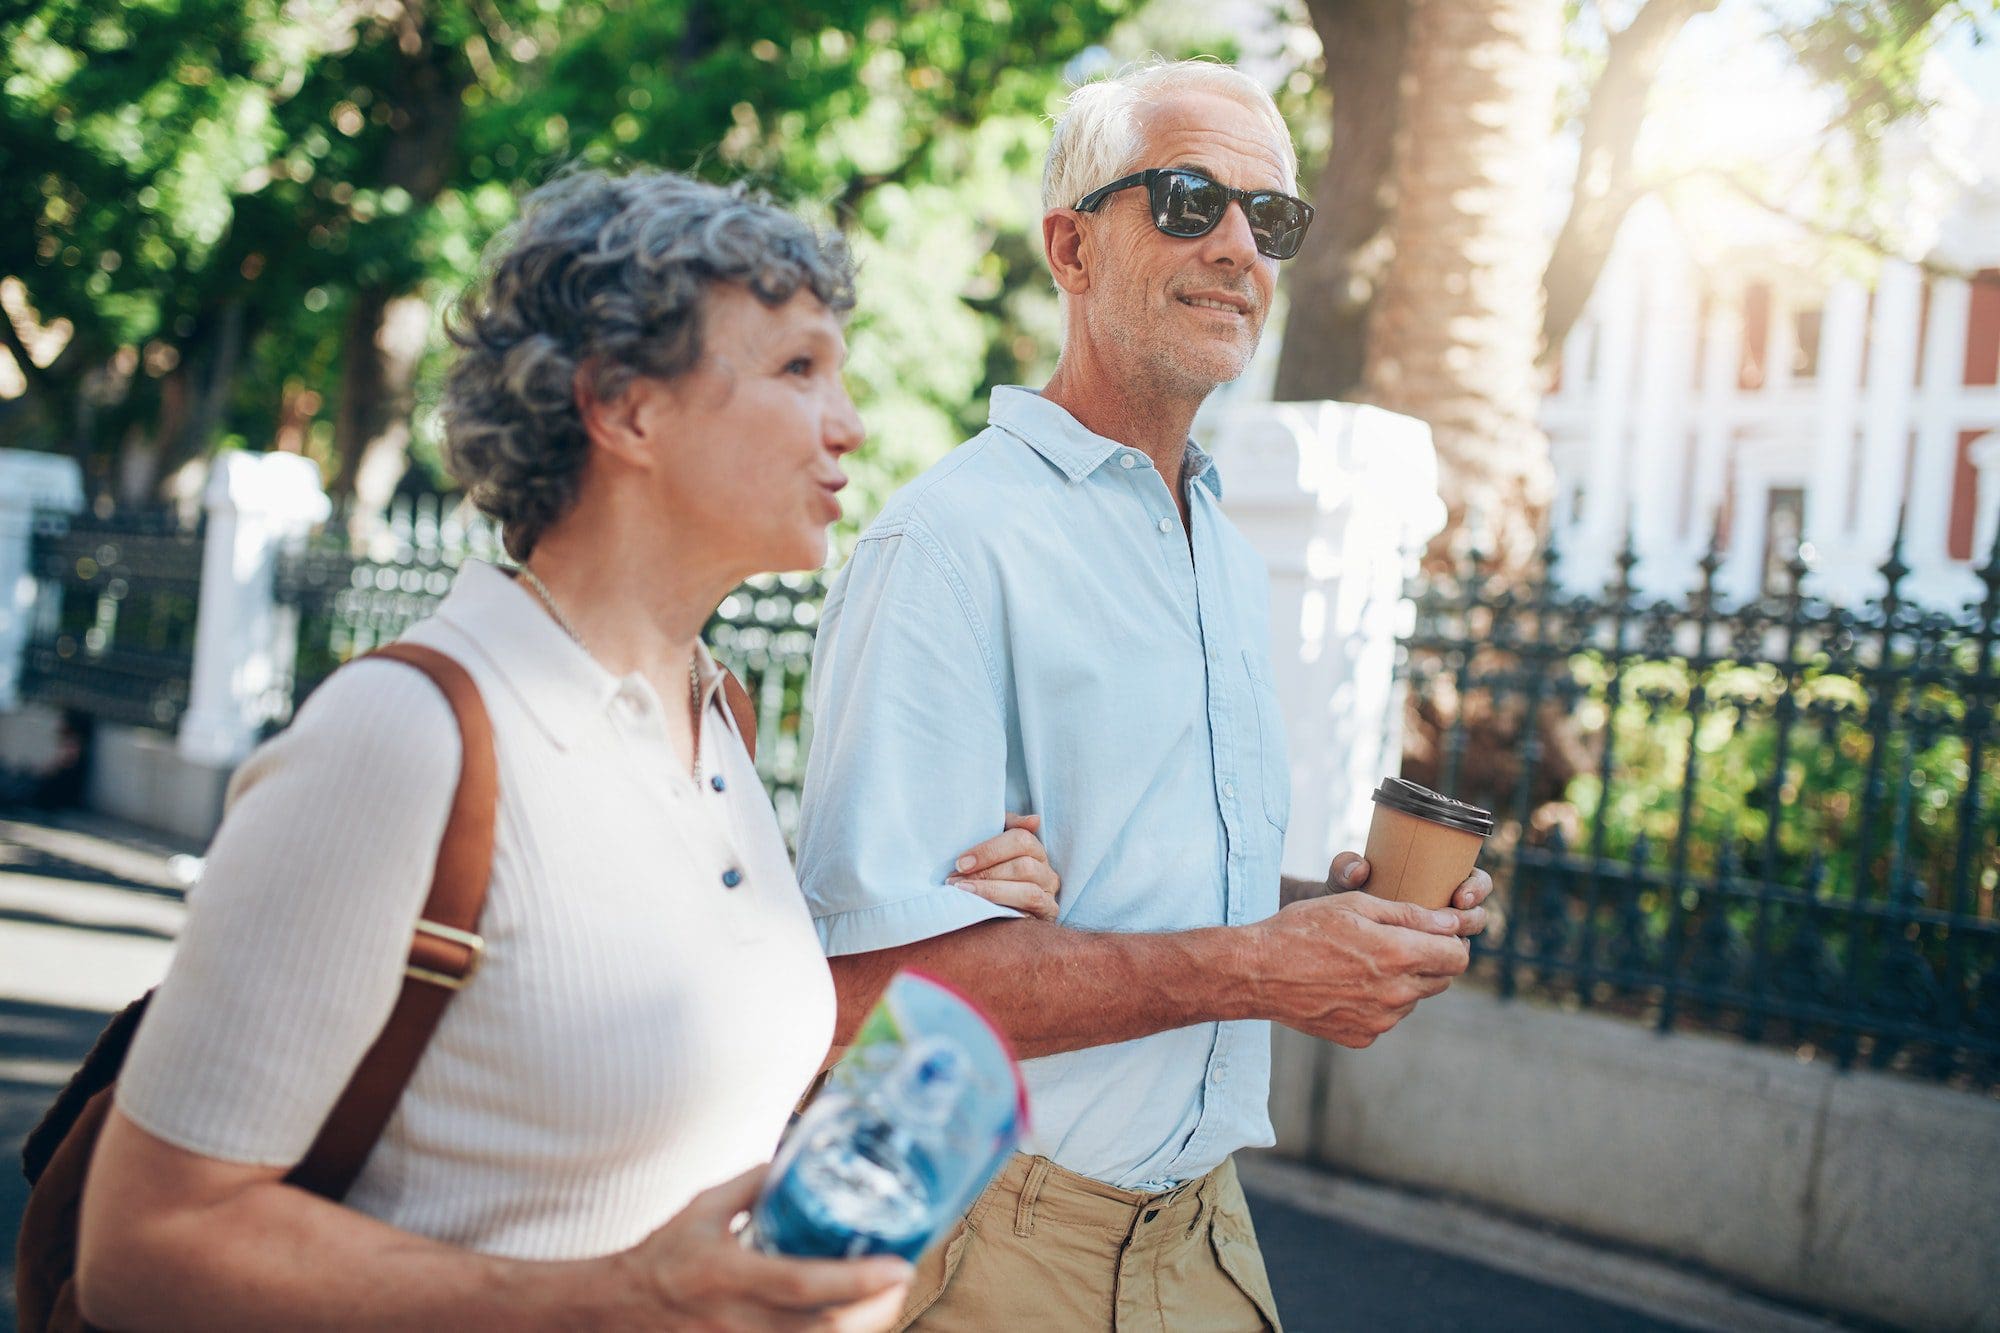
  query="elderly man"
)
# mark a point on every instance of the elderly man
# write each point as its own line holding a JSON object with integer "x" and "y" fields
{"x": 1058, "y": 618}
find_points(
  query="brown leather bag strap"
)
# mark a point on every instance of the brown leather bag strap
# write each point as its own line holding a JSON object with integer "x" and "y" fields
{"x": 444, "y": 953}
{"x": 741, "y": 709}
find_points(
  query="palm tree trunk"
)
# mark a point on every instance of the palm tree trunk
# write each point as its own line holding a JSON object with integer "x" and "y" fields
{"x": 1458, "y": 321}
{"x": 1333, "y": 282}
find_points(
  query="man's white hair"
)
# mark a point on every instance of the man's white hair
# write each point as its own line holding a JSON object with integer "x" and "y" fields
{"x": 1097, "y": 136}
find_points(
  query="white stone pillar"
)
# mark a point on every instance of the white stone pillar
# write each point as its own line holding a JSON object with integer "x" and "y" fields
{"x": 1714, "y": 431}
{"x": 1781, "y": 337}
{"x": 1565, "y": 416}
{"x": 28, "y": 482}
{"x": 1886, "y": 413}
{"x": 1340, "y": 500}
{"x": 1666, "y": 566}
{"x": 255, "y": 503}
{"x": 1843, "y": 329}
{"x": 1590, "y": 563}
{"x": 1935, "y": 580}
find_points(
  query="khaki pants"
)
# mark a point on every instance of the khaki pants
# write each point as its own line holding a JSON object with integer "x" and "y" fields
{"x": 1044, "y": 1248}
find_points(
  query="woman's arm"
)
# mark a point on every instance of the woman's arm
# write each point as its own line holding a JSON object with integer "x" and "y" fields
{"x": 174, "y": 1240}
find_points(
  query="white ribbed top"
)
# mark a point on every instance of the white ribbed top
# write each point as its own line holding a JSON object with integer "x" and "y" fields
{"x": 637, "y": 1031}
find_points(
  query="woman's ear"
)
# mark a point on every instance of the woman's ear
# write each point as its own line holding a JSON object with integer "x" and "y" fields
{"x": 611, "y": 424}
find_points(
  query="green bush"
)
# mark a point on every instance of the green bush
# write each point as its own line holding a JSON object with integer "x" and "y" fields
{"x": 1723, "y": 760}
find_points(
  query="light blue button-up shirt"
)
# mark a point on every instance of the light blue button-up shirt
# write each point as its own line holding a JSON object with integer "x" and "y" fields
{"x": 1025, "y": 628}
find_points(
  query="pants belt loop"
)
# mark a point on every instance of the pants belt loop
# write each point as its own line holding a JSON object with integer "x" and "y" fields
{"x": 1031, "y": 1190}
{"x": 1204, "y": 1198}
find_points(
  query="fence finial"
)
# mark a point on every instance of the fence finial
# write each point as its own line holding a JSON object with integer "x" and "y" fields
{"x": 1711, "y": 559}
{"x": 1628, "y": 552}
{"x": 1894, "y": 568}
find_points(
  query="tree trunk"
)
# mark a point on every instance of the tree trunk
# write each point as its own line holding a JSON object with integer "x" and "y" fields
{"x": 1457, "y": 324}
{"x": 218, "y": 379}
{"x": 379, "y": 353}
{"x": 1605, "y": 189}
{"x": 378, "y": 368}
{"x": 1332, "y": 283}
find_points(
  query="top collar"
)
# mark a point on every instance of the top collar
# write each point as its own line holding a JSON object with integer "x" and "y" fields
{"x": 562, "y": 687}
{"x": 1068, "y": 445}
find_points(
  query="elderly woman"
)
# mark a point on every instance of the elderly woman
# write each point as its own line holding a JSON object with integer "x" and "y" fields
{"x": 649, "y": 400}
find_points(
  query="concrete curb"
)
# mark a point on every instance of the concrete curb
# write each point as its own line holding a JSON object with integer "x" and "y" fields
{"x": 1663, "y": 1292}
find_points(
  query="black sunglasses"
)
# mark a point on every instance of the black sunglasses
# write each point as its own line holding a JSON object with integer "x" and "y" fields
{"x": 1188, "y": 204}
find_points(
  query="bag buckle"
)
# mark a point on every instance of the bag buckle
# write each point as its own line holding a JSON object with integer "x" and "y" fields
{"x": 474, "y": 946}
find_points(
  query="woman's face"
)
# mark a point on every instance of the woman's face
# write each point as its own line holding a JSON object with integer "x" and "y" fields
{"x": 752, "y": 436}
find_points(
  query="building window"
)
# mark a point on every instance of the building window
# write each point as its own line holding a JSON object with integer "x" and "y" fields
{"x": 1784, "y": 527}
{"x": 1805, "y": 343}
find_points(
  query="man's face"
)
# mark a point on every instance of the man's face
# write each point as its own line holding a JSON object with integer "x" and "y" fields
{"x": 1182, "y": 315}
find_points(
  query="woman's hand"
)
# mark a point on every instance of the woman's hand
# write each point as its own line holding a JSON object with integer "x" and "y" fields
{"x": 702, "y": 1276}
{"x": 1012, "y": 869}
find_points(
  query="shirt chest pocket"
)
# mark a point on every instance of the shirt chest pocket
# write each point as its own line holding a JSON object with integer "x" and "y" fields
{"x": 1274, "y": 775}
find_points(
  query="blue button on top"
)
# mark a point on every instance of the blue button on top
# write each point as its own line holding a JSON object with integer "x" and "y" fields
{"x": 717, "y": 782}
{"x": 731, "y": 877}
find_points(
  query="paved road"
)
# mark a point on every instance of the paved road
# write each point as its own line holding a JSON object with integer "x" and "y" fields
{"x": 88, "y": 913}
{"x": 1329, "y": 1274}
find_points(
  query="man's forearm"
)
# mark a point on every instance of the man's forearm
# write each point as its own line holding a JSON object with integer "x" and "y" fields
{"x": 1053, "y": 989}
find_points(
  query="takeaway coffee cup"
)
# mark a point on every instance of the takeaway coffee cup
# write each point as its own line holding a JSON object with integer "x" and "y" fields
{"x": 1421, "y": 844}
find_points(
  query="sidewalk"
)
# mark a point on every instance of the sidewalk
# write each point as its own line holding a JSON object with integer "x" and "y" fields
{"x": 89, "y": 910}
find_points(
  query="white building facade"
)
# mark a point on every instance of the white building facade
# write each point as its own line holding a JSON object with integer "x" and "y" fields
{"x": 1744, "y": 396}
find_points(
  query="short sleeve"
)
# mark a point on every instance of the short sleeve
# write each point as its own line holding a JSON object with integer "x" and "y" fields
{"x": 908, "y": 760}
{"x": 297, "y": 935}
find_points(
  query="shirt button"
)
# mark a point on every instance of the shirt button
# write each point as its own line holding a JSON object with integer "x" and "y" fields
{"x": 1166, "y": 525}
{"x": 1229, "y": 790}
{"x": 731, "y": 877}
{"x": 717, "y": 782}
{"x": 1126, "y": 460}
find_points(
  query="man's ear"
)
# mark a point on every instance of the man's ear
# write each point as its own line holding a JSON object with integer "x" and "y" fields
{"x": 1065, "y": 246}
{"x": 610, "y": 424}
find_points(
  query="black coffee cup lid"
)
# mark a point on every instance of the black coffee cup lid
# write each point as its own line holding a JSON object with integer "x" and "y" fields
{"x": 1415, "y": 799}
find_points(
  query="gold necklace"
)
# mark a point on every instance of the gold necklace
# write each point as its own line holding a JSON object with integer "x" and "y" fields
{"x": 541, "y": 590}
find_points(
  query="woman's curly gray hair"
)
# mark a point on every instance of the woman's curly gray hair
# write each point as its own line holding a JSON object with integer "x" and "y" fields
{"x": 609, "y": 272}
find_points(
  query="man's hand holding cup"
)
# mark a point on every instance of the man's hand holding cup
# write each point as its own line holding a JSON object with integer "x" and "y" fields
{"x": 1351, "y": 870}
{"x": 1354, "y": 964}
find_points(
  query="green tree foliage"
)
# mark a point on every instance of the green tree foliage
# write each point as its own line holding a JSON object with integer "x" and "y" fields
{"x": 224, "y": 202}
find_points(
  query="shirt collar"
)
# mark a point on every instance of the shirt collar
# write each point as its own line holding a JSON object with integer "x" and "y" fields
{"x": 1067, "y": 444}
{"x": 1201, "y": 467}
{"x": 562, "y": 687}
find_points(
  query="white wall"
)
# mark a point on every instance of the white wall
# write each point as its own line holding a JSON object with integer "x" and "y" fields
{"x": 1340, "y": 500}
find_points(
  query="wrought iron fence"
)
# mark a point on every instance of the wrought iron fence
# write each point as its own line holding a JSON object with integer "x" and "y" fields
{"x": 351, "y": 593}
{"x": 1777, "y": 819}
{"x": 353, "y": 585}
{"x": 114, "y": 619}
{"x": 764, "y": 633}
